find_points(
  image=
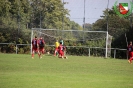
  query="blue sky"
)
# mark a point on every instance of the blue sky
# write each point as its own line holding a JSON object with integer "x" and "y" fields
{"x": 93, "y": 9}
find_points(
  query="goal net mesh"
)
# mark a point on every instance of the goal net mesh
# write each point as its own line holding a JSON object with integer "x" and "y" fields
{"x": 78, "y": 42}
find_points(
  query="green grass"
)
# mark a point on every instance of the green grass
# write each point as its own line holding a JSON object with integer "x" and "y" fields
{"x": 20, "y": 71}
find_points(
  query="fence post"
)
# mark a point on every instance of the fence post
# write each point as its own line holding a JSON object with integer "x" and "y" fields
{"x": 31, "y": 41}
{"x": 114, "y": 53}
{"x": 89, "y": 51}
{"x": 16, "y": 49}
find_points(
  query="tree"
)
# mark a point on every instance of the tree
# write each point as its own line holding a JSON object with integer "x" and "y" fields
{"x": 48, "y": 14}
{"x": 75, "y": 26}
{"x": 87, "y": 26}
{"x": 117, "y": 27}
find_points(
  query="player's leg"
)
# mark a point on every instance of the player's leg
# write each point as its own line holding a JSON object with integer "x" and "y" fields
{"x": 56, "y": 53}
{"x": 59, "y": 54}
{"x": 65, "y": 55}
{"x": 43, "y": 51}
{"x": 33, "y": 51}
{"x": 62, "y": 54}
{"x": 129, "y": 60}
{"x": 131, "y": 57}
{"x": 38, "y": 51}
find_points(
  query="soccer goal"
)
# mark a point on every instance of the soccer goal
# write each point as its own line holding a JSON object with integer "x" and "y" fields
{"x": 77, "y": 41}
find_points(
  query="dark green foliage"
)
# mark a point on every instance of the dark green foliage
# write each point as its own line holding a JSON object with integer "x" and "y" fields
{"x": 18, "y": 16}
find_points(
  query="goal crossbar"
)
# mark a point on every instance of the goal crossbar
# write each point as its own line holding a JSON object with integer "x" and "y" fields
{"x": 68, "y": 30}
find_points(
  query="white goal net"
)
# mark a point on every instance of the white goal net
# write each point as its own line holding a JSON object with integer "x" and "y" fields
{"x": 77, "y": 41}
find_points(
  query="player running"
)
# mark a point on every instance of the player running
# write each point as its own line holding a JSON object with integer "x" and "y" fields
{"x": 130, "y": 52}
{"x": 34, "y": 47}
{"x": 41, "y": 44}
{"x": 56, "y": 47}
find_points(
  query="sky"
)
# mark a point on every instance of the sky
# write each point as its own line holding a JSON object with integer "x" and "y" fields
{"x": 93, "y": 9}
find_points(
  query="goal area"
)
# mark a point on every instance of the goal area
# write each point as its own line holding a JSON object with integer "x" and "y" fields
{"x": 78, "y": 42}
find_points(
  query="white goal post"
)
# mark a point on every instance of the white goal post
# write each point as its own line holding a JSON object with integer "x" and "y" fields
{"x": 50, "y": 35}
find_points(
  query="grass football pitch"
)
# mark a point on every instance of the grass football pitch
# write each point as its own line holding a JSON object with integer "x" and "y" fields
{"x": 20, "y": 71}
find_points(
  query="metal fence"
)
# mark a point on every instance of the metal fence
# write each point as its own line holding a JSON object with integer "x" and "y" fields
{"x": 80, "y": 50}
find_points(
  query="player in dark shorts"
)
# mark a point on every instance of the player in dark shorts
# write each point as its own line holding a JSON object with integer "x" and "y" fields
{"x": 41, "y": 44}
{"x": 34, "y": 46}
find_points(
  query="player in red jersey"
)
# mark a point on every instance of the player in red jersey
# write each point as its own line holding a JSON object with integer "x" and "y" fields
{"x": 61, "y": 50}
{"x": 41, "y": 44}
{"x": 34, "y": 46}
{"x": 130, "y": 52}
